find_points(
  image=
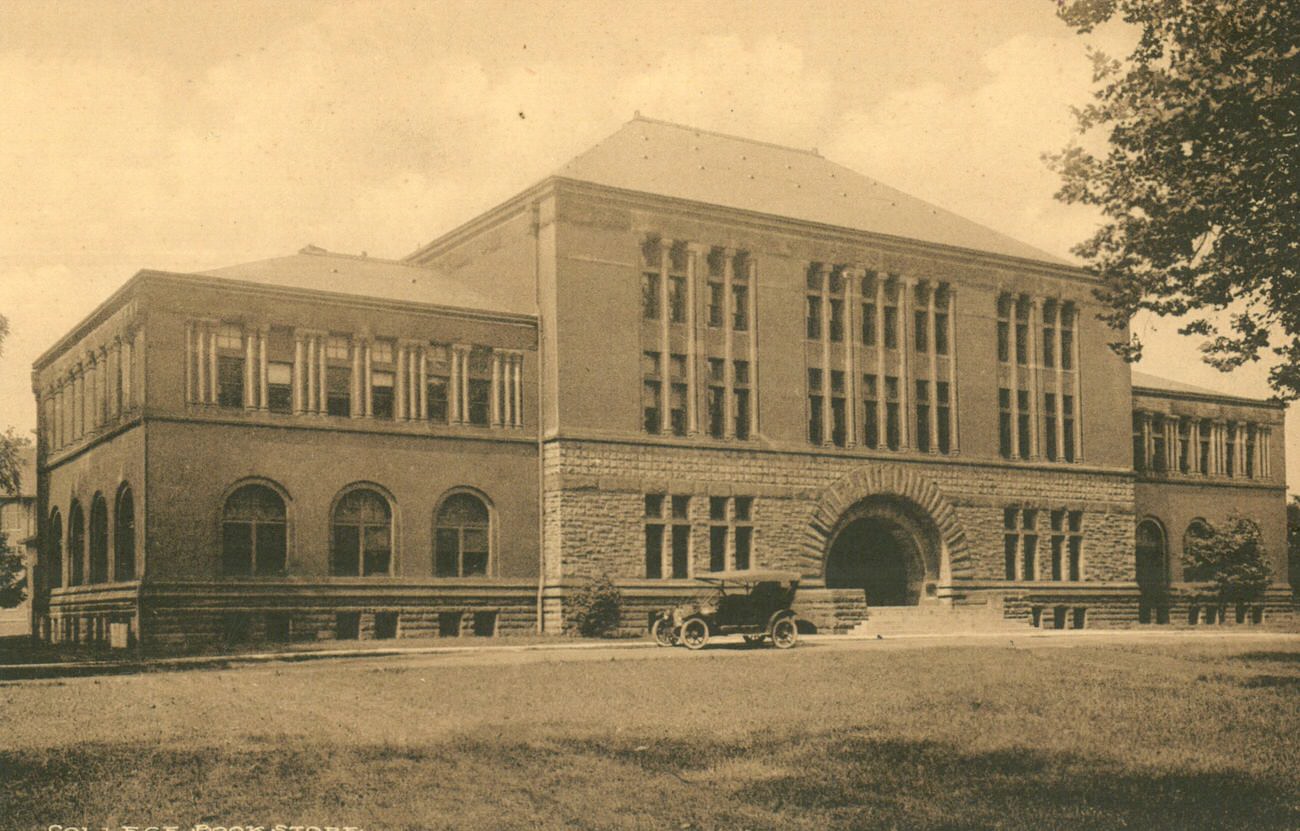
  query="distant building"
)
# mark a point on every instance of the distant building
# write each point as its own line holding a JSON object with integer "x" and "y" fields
{"x": 18, "y": 525}
{"x": 683, "y": 352}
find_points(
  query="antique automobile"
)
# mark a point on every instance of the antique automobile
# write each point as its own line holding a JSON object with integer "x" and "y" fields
{"x": 755, "y": 604}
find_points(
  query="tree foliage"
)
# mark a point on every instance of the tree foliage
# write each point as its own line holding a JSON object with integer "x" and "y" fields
{"x": 595, "y": 609}
{"x": 1232, "y": 557}
{"x": 1198, "y": 185}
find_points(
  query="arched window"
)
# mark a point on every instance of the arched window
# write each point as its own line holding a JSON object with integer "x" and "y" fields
{"x": 124, "y": 536}
{"x": 1152, "y": 570}
{"x": 1197, "y": 529}
{"x": 363, "y": 535}
{"x": 54, "y": 562}
{"x": 254, "y": 533}
{"x": 461, "y": 539}
{"x": 76, "y": 544}
{"x": 98, "y": 540}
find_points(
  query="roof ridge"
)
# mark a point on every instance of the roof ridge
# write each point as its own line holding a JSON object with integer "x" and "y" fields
{"x": 808, "y": 152}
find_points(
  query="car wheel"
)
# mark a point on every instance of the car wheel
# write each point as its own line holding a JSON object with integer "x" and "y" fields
{"x": 695, "y": 633}
{"x": 785, "y": 633}
{"x": 662, "y": 631}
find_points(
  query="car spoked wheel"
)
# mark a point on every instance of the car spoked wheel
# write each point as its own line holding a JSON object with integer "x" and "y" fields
{"x": 785, "y": 633}
{"x": 695, "y": 633}
{"x": 662, "y": 631}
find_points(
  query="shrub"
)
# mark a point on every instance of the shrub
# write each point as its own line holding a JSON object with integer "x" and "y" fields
{"x": 595, "y": 609}
{"x": 1231, "y": 556}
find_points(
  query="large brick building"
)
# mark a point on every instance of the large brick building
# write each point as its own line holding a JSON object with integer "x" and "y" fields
{"x": 682, "y": 352}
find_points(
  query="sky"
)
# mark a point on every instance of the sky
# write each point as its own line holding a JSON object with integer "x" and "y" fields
{"x": 187, "y": 136}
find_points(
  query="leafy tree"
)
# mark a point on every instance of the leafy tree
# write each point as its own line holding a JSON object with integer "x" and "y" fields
{"x": 595, "y": 609}
{"x": 13, "y": 576}
{"x": 1231, "y": 556}
{"x": 1199, "y": 183}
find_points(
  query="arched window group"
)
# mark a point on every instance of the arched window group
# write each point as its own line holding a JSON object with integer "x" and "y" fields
{"x": 88, "y": 545}
{"x": 254, "y": 533}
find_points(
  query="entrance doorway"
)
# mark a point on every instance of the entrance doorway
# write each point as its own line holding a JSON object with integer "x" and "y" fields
{"x": 879, "y": 552}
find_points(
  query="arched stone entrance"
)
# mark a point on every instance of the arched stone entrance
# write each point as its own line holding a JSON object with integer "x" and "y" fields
{"x": 888, "y": 548}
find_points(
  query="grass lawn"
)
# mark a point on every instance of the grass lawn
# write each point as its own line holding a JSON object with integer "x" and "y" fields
{"x": 1195, "y": 734}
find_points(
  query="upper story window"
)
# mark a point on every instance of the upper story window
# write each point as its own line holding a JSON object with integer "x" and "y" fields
{"x": 892, "y": 289}
{"x": 230, "y": 365}
{"x": 461, "y": 539}
{"x": 362, "y": 535}
{"x": 254, "y": 533}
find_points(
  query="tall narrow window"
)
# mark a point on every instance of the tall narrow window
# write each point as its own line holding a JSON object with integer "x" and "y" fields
{"x": 651, "y": 392}
{"x": 480, "y": 385}
{"x": 740, "y": 393}
{"x": 717, "y": 302}
{"x": 891, "y": 313}
{"x": 363, "y": 535}
{"x": 1184, "y": 445}
{"x": 838, "y": 422}
{"x": 677, "y": 299}
{"x": 338, "y": 375}
{"x": 76, "y": 545}
{"x": 54, "y": 560}
{"x": 254, "y": 533}
{"x": 124, "y": 536}
{"x": 1004, "y": 423}
{"x": 1004, "y": 329}
{"x": 654, "y": 535}
{"x": 650, "y": 295}
{"x": 816, "y": 400}
{"x": 813, "y": 303}
{"x": 681, "y": 536}
{"x": 1139, "y": 442}
{"x": 740, "y": 292}
{"x": 869, "y": 310}
{"x": 1159, "y": 457}
{"x": 461, "y": 538}
{"x": 717, "y": 397}
{"x": 1029, "y": 544}
{"x": 893, "y": 423}
{"x": 1022, "y": 331}
{"x": 1067, "y": 418}
{"x": 923, "y": 416}
{"x": 98, "y": 540}
{"x": 1075, "y": 527}
{"x": 1068, "y": 318}
{"x": 1203, "y": 433}
{"x": 942, "y": 297}
{"x": 943, "y": 400}
{"x": 383, "y": 377}
{"x": 1049, "y": 426}
{"x": 677, "y": 394}
{"x": 743, "y": 508}
{"x": 1049, "y": 334}
{"x": 230, "y": 365}
{"x": 1023, "y": 422}
{"x": 438, "y": 384}
{"x": 871, "y": 411}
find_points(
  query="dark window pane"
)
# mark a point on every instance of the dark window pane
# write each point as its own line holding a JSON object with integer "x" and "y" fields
{"x": 345, "y": 559}
{"x": 270, "y": 548}
{"x": 447, "y": 556}
{"x": 230, "y": 381}
{"x": 236, "y": 549}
